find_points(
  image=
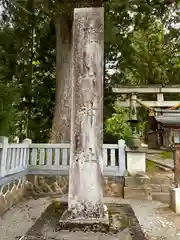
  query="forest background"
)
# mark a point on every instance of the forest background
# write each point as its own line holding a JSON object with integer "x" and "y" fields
{"x": 142, "y": 46}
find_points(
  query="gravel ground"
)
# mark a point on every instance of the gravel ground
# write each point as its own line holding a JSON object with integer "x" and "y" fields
{"x": 156, "y": 219}
{"x": 16, "y": 222}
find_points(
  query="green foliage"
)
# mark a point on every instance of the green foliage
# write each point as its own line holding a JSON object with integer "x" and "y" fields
{"x": 9, "y": 93}
{"x": 148, "y": 55}
{"x": 31, "y": 36}
{"x": 8, "y": 112}
{"x": 117, "y": 124}
{"x": 138, "y": 50}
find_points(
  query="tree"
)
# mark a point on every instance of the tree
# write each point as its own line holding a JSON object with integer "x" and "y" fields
{"x": 34, "y": 25}
{"x": 148, "y": 53}
{"x": 8, "y": 86}
{"x": 61, "y": 120}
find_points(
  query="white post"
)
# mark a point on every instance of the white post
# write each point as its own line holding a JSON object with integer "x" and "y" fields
{"x": 160, "y": 97}
{"x": 27, "y": 141}
{"x": 122, "y": 156}
{"x": 4, "y": 141}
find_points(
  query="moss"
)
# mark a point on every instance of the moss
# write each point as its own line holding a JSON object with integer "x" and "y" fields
{"x": 151, "y": 167}
{"x": 124, "y": 222}
{"x": 58, "y": 206}
{"x": 166, "y": 154}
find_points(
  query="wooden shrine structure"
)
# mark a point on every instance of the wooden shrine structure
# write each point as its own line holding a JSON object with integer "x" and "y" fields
{"x": 162, "y": 112}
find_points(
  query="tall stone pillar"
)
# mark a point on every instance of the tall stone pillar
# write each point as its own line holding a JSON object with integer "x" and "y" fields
{"x": 86, "y": 163}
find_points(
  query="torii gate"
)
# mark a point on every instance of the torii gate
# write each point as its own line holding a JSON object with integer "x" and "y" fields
{"x": 148, "y": 89}
{"x": 159, "y": 107}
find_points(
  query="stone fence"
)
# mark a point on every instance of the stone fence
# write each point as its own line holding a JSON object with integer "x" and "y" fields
{"x": 34, "y": 170}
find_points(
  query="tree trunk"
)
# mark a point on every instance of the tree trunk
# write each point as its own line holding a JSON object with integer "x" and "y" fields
{"x": 61, "y": 121}
{"x": 86, "y": 163}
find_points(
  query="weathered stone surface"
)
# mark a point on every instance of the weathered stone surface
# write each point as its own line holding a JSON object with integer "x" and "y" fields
{"x": 161, "y": 180}
{"x": 113, "y": 186}
{"x": 155, "y": 187}
{"x": 86, "y": 163}
{"x": 135, "y": 182}
{"x": 162, "y": 197}
{"x": 165, "y": 188}
{"x": 137, "y": 193}
{"x": 3, "y": 204}
{"x": 47, "y": 185}
{"x": 11, "y": 193}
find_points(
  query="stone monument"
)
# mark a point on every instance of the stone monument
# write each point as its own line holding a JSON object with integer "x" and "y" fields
{"x": 85, "y": 198}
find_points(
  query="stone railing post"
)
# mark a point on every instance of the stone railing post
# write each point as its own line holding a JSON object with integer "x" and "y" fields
{"x": 27, "y": 141}
{"x": 122, "y": 156}
{"x": 3, "y": 155}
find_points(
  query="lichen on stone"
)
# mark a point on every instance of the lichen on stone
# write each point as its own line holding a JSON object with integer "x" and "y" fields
{"x": 87, "y": 210}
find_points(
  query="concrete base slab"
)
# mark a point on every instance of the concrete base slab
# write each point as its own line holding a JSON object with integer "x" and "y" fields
{"x": 175, "y": 200}
{"x": 123, "y": 224}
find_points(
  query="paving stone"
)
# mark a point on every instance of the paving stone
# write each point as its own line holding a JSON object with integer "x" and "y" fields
{"x": 137, "y": 193}
{"x": 162, "y": 197}
{"x": 165, "y": 188}
{"x": 124, "y": 235}
{"x": 161, "y": 180}
{"x": 155, "y": 187}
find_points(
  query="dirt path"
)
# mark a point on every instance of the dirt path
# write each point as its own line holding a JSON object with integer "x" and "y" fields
{"x": 16, "y": 222}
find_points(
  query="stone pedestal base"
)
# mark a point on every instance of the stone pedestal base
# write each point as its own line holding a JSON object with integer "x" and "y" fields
{"x": 67, "y": 222}
{"x": 138, "y": 187}
{"x": 175, "y": 200}
{"x": 136, "y": 161}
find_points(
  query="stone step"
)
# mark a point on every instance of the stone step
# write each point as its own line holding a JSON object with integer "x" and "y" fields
{"x": 161, "y": 197}
{"x": 137, "y": 193}
{"x": 136, "y": 182}
{"x": 161, "y": 180}
{"x": 160, "y": 188}
{"x": 165, "y": 169}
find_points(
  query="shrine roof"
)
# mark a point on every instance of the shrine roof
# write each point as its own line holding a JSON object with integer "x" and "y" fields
{"x": 169, "y": 119}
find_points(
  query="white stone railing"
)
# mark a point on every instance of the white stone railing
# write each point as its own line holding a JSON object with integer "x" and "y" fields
{"x": 52, "y": 159}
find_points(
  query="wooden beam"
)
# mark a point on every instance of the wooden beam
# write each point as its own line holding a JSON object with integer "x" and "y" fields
{"x": 168, "y": 119}
{"x": 146, "y": 89}
{"x": 158, "y": 104}
{"x": 168, "y": 111}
